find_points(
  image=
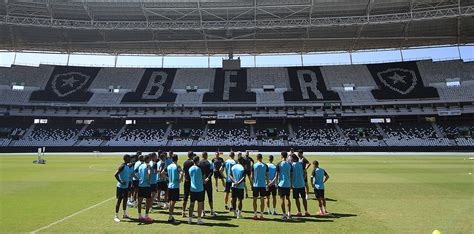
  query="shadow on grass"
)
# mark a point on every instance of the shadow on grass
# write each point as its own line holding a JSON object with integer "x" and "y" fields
{"x": 179, "y": 222}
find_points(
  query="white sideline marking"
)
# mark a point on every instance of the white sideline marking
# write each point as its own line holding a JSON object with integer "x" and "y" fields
{"x": 70, "y": 216}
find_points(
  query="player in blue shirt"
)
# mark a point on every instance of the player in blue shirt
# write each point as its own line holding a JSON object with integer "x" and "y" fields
{"x": 259, "y": 179}
{"x": 298, "y": 184}
{"x": 153, "y": 173}
{"x": 237, "y": 176}
{"x": 143, "y": 175}
{"x": 161, "y": 184}
{"x": 174, "y": 175}
{"x": 271, "y": 185}
{"x": 284, "y": 184}
{"x": 228, "y": 164}
{"x": 134, "y": 180}
{"x": 131, "y": 165}
{"x": 123, "y": 179}
{"x": 320, "y": 176}
{"x": 196, "y": 190}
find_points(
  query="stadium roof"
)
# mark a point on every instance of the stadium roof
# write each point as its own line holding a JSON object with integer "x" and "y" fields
{"x": 232, "y": 26}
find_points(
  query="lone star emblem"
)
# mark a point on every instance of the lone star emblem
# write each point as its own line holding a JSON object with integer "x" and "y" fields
{"x": 397, "y": 78}
{"x": 69, "y": 82}
{"x": 65, "y": 84}
{"x": 400, "y": 80}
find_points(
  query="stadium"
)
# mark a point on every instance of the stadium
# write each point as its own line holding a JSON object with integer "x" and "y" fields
{"x": 380, "y": 93}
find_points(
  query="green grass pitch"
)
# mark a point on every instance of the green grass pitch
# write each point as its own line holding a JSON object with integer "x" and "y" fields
{"x": 367, "y": 194}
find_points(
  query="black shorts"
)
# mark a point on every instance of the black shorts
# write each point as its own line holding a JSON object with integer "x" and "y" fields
{"x": 238, "y": 193}
{"x": 135, "y": 184}
{"x": 218, "y": 175}
{"x": 319, "y": 193}
{"x": 130, "y": 185}
{"x": 187, "y": 188}
{"x": 122, "y": 193}
{"x": 283, "y": 191}
{"x": 173, "y": 194}
{"x": 197, "y": 196}
{"x": 272, "y": 191}
{"x": 208, "y": 190}
{"x": 248, "y": 172}
{"x": 299, "y": 193}
{"x": 153, "y": 187}
{"x": 162, "y": 186}
{"x": 144, "y": 192}
{"x": 228, "y": 185}
{"x": 259, "y": 191}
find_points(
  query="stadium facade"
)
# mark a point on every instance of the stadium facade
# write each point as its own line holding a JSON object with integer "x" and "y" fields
{"x": 413, "y": 105}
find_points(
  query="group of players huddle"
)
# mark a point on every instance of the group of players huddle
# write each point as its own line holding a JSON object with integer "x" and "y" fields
{"x": 147, "y": 177}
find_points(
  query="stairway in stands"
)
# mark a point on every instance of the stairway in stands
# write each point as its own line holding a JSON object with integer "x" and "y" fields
{"x": 382, "y": 133}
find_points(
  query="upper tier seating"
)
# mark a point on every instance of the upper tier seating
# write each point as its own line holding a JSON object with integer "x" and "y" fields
{"x": 9, "y": 96}
{"x": 438, "y": 72}
{"x": 337, "y": 76}
{"x": 258, "y": 77}
{"x": 126, "y": 78}
{"x": 356, "y": 96}
{"x": 106, "y": 98}
{"x": 202, "y": 78}
{"x": 29, "y": 76}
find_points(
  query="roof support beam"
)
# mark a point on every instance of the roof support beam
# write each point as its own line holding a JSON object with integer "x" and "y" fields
{"x": 404, "y": 17}
{"x": 361, "y": 27}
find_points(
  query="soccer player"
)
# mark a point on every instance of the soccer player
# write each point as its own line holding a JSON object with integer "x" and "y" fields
{"x": 187, "y": 180}
{"x": 306, "y": 165}
{"x": 161, "y": 183}
{"x": 298, "y": 185}
{"x": 135, "y": 180}
{"x": 174, "y": 174}
{"x": 123, "y": 179}
{"x": 142, "y": 174}
{"x": 237, "y": 176}
{"x": 207, "y": 169}
{"x": 196, "y": 190}
{"x": 271, "y": 185}
{"x": 131, "y": 189}
{"x": 320, "y": 176}
{"x": 248, "y": 169}
{"x": 259, "y": 179}
{"x": 153, "y": 178}
{"x": 284, "y": 184}
{"x": 228, "y": 164}
{"x": 218, "y": 169}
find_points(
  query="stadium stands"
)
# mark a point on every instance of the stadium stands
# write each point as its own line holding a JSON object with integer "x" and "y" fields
{"x": 372, "y": 83}
{"x": 26, "y": 75}
{"x": 314, "y": 135}
{"x": 141, "y": 135}
{"x": 122, "y": 78}
{"x": 337, "y": 76}
{"x": 413, "y": 135}
{"x": 50, "y": 135}
{"x": 438, "y": 72}
{"x": 362, "y": 134}
{"x": 227, "y": 135}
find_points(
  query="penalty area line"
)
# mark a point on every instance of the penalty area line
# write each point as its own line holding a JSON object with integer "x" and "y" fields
{"x": 71, "y": 215}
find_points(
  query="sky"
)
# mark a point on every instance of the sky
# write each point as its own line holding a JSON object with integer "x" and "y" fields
{"x": 465, "y": 53}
